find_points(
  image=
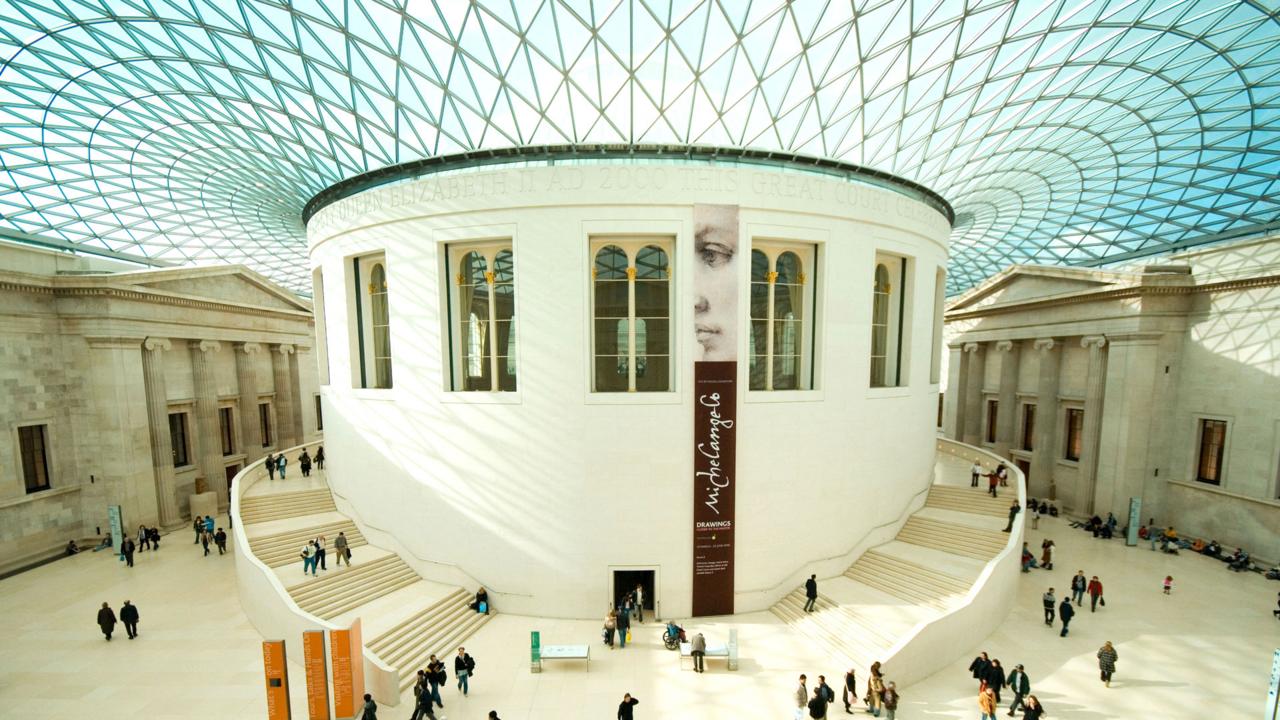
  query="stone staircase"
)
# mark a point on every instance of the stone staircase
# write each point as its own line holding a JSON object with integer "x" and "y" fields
{"x": 279, "y": 549}
{"x": 437, "y": 630}
{"x": 929, "y": 567}
{"x": 278, "y": 506}
{"x": 342, "y": 589}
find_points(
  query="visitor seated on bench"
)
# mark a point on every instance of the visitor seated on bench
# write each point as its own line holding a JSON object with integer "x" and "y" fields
{"x": 106, "y": 543}
{"x": 72, "y": 548}
{"x": 1239, "y": 561}
{"x": 1198, "y": 545}
{"x": 1213, "y": 549}
{"x": 1106, "y": 532}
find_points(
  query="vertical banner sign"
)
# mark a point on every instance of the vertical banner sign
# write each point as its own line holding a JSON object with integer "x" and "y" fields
{"x": 715, "y": 405}
{"x": 535, "y": 650}
{"x": 347, "y": 651}
{"x": 1273, "y": 692}
{"x": 277, "y": 672}
{"x": 317, "y": 675}
{"x": 116, "y": 523}
{"x": 1135, "y": 514}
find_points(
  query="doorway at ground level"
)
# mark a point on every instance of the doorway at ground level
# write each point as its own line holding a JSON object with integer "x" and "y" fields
{"x": 1025, "y": 467}
{"x": 625, "y": 581}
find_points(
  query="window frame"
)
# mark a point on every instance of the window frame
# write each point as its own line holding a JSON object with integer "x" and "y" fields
{"x": 457, "y": 376}
{"x": 321, "y": 323}
{"x": 266, "y": 422}
{"x": 991, "y": 420}
{"x": 809, "y": 253}
{"x": 185, "y": 452}
{"x": 227, "y": 430}
{"x": 1073, "y": 437}
{"x": 631, "y": 244}
{"x": 1027, "y": 441}
{"x": 939, "y": 319}
{"x": 1201, "y": 425}
{"x": 898, "y": 305}
{"x": 360, "y": 271}
{"x": 45, "y": 467}
{"x": 319, "y": 412}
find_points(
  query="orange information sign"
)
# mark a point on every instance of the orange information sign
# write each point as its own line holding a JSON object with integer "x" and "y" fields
{"x": 277, "y": 673}
{"x": 317, "y": 675}
{"x": 346, "y": 647}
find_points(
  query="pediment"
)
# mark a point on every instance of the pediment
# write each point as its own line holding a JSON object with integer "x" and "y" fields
{"x": 1022, "y": 283}
{"x": 235, "y": 285}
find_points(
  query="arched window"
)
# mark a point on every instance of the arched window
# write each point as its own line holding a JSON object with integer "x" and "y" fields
{"x": 380, "y": 326}
{"x": 880, "y": 326}
{"x": 781, "y": 334}
{"x": 482, "y": 313}
{"x": 632, "y": 315}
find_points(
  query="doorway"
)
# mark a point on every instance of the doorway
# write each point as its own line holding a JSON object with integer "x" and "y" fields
{"x": 1025, "y": 467}
{"x": 232, "y": 471}
{"x": 625, "y": 581}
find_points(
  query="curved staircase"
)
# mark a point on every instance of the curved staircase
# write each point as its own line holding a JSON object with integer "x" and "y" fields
{"x": 407, "y": 618}
{"x": 924, "y": 572}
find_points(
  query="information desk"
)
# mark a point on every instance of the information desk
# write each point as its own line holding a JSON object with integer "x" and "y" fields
{"x": 713, "y": 651}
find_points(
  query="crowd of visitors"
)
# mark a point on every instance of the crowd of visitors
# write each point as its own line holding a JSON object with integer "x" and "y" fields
{"x": 279, "y": 464}
{"x": 128, "y": 615}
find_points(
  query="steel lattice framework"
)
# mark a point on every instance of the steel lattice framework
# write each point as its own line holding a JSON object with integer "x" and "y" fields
{"x": 1062, "y": 131}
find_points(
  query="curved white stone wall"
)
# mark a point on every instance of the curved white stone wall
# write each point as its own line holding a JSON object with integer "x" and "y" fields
{"x": 541, "y": 492}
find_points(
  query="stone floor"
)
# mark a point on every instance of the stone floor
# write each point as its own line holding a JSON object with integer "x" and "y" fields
{"x": 1208, "y": 645}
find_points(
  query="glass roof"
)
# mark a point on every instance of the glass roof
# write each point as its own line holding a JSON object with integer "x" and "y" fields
{"x": 1062, "y": 131}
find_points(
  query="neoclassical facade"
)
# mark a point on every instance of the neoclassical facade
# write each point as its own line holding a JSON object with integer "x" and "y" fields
{"x": 510, "y": 370}
{"x": 138, "y": 388}
{"x": 1158, "y": 381}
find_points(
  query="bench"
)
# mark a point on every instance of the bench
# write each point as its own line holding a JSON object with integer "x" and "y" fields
{"x": 565, "y": 652}
{"x": 713, "y": 651}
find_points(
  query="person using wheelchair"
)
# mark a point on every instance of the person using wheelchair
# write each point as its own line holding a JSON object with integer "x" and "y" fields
{"x": 673, "y": 636}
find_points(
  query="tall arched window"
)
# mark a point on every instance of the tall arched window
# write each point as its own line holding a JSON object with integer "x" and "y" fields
{"x": 631, "y": 315}
{"x": 781, "y": 304}
{"x": 889, "y": 320}
{"x": 482, "y": 317}
{"x": 380, "y": 326}
{"x": 880, "y": 326}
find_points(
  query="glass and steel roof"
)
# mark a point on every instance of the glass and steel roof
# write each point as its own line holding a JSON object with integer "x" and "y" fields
{"x": 1061, "y": 131}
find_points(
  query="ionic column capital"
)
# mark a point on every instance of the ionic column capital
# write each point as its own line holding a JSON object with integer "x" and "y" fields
{"x": 1098, "y": 341}
{"x": 157, "y": 344}
{"x": 285, "y": 349}
{"x": 1044, "y": 344}
{"x": 1004, "y": 345}
{"x": 249, "y": 348}
{"x": 207, "y": 346}
{"x": 971, "y": 347}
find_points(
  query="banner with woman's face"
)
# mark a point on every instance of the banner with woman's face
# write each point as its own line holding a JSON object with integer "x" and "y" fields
{"x": 715, "y": 282}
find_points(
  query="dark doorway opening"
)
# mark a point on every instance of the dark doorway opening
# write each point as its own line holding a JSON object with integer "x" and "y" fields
{"x": 232, "y": 471}
{"x": 625, "y": 581}
{"x": 1025, "y": 467}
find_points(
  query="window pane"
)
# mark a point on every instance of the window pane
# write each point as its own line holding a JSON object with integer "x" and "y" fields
{"x": 651, "y": 263}
{"x": 657, "y": 337}
{"x": 1213, "y": 435}
{"x": 264, "y": 423}
{"x": 784, "y": 372}
{"x": 759, "y": 266}
{"x": 1028, "y": 427}
{"x": 607, "y": 337}
{"x": 611, "y": 263}
{"x": 657, "y": 370}
{"x": 653, "y": 298}
{"x": 611, "y": 299}
{"x": 611, "y": 373}
{"x": 880, "y": 327}
{"x": 756, "y": 372}
{"x": 35, "y": 464}
{"x": 1075, "y": 426}
{"x": 380, "y": 319}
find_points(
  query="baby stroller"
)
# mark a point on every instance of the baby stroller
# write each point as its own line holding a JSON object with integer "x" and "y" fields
{"x": 673, "y": 636}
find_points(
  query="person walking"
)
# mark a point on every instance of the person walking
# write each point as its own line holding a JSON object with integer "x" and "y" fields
{"x": 154, "y": 534}
{"x": 107, "y": 621}
{"x": 810, "y": 593}
{"x": 340, "y": 549}
{"x": 208, "y": 524}
{"x": 828, "y": 695}
{"x": 1107, "y": 657}
{"x": 624, "y": 626}
{"x": 1020, "y": 686}
{"x": 422, "y": 705}
{"x": 304, "y": 463}
{"x": 993, "y": 482}
{"x": 974, "y": 473}
{"x": 1065, "y": 613}
{"x": 205, "y": 538}
{"x": 1049, "y": 604}
{"x": 144, "y": 539}
{"x": 270, "y": 462}
{"x": 320, "y": 458}
{"x": 1046, "y": 554}
{"x": 639, "y": 598}
{"x": 875, "y": 690}
{"x": 129, "y": 616}
{"x": 610, "y": 627}
{"x": 370, "y": 710}
{"x": 995, "y": 678}
{"x": 699, "y": 651}
{"x": 850, "y": 690}
{"x": 818, "y": 704}
{"x": 1014, "y": 508}
{"x": 1168, "y": 584}
{"x": 979, "y": 667}
{"x": 986, "y": 702}
{"x": 308, "y": 554}
{"x": 321, "y": 552}
{"x": 1095, "y": 594}
{"x": 626, "y": 709}
{"x": 463, "y": 668}
{"x": 1035, "y": 516}
{"x": 198, "y": 525}
{"x": 436, "y": 676}
{"x": 801, "y": 698}
{"x": 281, "y": 463}
{"x": 220, "y": 539}
{"x": 126, "y": 550}
{"x": 891, "y": 698}
{"x": 1034, "y": 710}
{"x": 1078, "y": 586}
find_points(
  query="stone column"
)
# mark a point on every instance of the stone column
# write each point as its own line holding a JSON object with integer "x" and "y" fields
{"x": 1007, "y": 414}
{"x": 1095, "y": 383}
{"x": 973, "y": 393}
{"x": 284, "y": 396}
{"x": 208, "y": 438}
{"x": 953, "y": 403}
{"x": 1044, "y": 456}
{"x": 295, "y": 390}
{"x": 158, "y": 423}
{"x": 247, "y": 383}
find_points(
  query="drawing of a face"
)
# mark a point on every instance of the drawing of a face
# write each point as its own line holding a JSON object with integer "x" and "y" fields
{"x": 715, "y": 281}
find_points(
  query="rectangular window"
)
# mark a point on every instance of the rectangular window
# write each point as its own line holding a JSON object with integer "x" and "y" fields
{"x": 264, "y": 423}
{"x": 1028, "y": 427}
{"x": 482, "y": 316}
{"x": 1213, "y": 439}
{"x": 784, "y": 283}
{"x": 35, "y": 461}
{"x": 319, "y": 415}
{"x": 888, "y": 321}
{"x": 939, "y": 311}
{"x": 226, "y": 424}
{"x": 940, "y": 397}
{"x": 1075, "y": 433}
{"x": 993, "y": 409}
{"x": 367, "y": 286}
{"x": 631, "y": 314}
{"x": 178, "y": 439}
{"x": 322, "y": 330}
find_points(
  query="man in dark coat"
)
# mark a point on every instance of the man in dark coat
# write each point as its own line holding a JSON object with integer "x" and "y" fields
{"x": 106, "y": 620}
{"x": 129, "y": 616}
{"x": 154, "y": 534}
{"x": 850, "y": 689}
{"x": 1014, "y": 509}
{"x": 995, "y": 678}
{"x": 979, "y": 667}
{"x": 626, "y": 709}
{"x": 810, "y": 593}
{"x": 1065, "y": 611}
{"x": 818, "y": 704}
{"x": 220, "y": 539}
{"x": 624, "y": 624}
{"x": 1020, "y": 686}
{"x": 126, "y": 549}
